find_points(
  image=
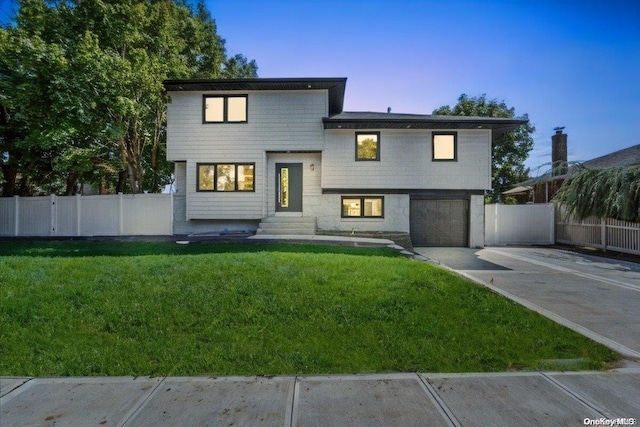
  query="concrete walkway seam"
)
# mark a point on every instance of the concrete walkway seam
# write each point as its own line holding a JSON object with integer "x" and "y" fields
{"x": 16, "y": 387}
{"x": 19, "y": 389}
{"x": 578, "y": 397}
{"x": 443, "y": 408}
{"x": 135, "y": 410}
{"x": 292, "y": 404}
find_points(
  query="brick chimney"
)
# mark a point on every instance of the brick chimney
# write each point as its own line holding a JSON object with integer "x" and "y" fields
{"x": 559, "y": 153}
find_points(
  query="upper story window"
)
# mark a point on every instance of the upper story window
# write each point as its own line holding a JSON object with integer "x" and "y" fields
{"x": 226, "y": 177}
{"x": 225, "y": 108}
{"x": 445, "y": 146}
{"x": 368, "y": 146}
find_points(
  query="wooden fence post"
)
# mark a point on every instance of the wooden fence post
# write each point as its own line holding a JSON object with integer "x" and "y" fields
{"x": 603, "y": 233}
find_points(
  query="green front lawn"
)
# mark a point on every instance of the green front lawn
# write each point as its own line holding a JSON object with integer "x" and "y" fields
{"x": 98, "y": 308}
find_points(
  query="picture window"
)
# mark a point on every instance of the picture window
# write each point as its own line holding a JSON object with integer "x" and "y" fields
{"x": 362, "y": 207}
{"x": 226, "y": 177}
{"x": 444, "y": 146}
{"x": 367, "y": 146}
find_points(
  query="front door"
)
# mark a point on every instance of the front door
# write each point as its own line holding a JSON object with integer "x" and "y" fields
{"x": 288, "y": 187}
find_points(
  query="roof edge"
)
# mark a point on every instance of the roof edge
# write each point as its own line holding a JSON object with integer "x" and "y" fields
{"x": 335, "y": 86}
{"x": 499, "y": 126}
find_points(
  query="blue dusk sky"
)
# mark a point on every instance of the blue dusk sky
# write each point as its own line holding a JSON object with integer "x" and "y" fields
{"x": 572, "y": 63}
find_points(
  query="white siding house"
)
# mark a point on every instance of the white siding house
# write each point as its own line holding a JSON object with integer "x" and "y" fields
{"x": 250, "y": 151}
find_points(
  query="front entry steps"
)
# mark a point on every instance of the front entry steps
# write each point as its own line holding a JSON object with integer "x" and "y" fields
{"x": 281, "y": 225}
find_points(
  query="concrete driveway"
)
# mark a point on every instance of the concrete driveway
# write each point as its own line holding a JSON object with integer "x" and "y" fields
{"x": 595, "y": 296}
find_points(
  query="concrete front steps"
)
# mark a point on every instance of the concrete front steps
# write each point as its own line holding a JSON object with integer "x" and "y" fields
{"x": 290, "y": 225}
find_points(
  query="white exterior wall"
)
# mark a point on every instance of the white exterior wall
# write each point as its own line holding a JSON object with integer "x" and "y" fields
{"x": 276, "y": 121}
{"x": 180, "y": 175}
{"x": 396, "y": 215}
{"x": 406, "y": 162}
{"x": 476, "y": 221}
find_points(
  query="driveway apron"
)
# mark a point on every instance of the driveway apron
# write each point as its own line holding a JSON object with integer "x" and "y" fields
{"x": 595, "y": 296}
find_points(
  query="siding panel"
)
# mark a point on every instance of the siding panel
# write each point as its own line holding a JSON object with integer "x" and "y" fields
{"x": 289, "y": 120}
{"x": 405, "y": 162}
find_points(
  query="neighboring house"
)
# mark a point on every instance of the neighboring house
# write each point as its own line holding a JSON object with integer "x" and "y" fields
{"x": 280, "y": 155}
{"x": 543, "y": 188}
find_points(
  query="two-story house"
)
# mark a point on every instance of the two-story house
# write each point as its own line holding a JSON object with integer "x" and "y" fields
{"x": 254, "y": 154}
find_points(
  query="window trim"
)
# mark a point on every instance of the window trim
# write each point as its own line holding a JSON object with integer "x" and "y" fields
{"x": 377, "y": 159}
{"x": 455, "y": 146}
{"x": 362, "y": 215}
{"x": 215, "y": 177}
{"x": 225, "y": 109}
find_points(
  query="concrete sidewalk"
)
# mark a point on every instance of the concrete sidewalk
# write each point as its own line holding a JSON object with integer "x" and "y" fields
{"x": 506, "y": 399}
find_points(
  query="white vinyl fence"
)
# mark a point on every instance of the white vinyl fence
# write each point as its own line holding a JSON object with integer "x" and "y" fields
{"x": 519, "y": 224}
{"x": 602, "y": 233}
{"x": 108, "y": 215}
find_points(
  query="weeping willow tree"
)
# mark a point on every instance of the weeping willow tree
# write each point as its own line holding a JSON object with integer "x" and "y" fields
{"x": 612, "y": 193}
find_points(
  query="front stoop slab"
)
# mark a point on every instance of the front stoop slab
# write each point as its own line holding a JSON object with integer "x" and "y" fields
{"x": 500, "y": 400}
{"x": 75, "y": 401}
{"x": 225, "y": 401}
{"x": 400, "y": 400}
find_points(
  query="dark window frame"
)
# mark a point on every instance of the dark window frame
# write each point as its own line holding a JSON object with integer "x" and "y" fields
{"x": 225, "y": 109}
{"x": 362, "y": 199}
{"x": 215, "y": 177}
{"x": 377, "y": 159}
{"x": 455, "y": 146}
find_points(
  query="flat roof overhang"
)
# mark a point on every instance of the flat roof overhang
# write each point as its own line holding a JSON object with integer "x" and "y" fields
{"x": 348, "y": 120}
{"x": 335, "y": 85}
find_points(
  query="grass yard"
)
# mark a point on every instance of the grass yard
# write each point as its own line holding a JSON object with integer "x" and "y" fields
{"x": 129, "y": 308}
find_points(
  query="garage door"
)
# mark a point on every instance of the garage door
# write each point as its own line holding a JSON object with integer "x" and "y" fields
{"x": 439, "y": 222}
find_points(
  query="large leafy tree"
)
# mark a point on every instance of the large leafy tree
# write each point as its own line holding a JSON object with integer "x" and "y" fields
{"x": 509, "y": 151}
{"x": 81, "y": 90}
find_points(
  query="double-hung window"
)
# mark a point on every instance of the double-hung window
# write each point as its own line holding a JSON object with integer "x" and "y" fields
{"x": 224, "y": 109}
{"x": 226, "y": 177}
{"x": 362, "y": 207}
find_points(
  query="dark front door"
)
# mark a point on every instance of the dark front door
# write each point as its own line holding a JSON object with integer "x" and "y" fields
{"x": 288, "y": 187}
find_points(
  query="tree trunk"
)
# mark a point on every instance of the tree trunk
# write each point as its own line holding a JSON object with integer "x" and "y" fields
{"x": 9, "y": 186}
{"x": 122, "y": 181}
{"x": 103, "y": 184}
{"x": 72, "y": 180}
